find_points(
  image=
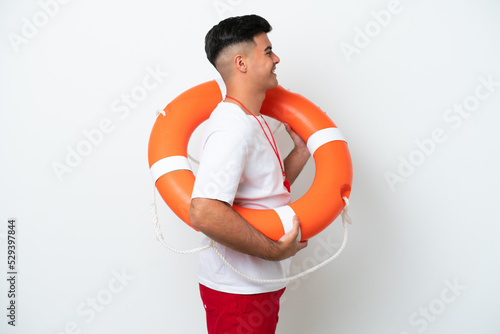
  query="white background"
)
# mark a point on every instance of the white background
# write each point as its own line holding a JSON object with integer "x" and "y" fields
{"x": 437, "y": 226}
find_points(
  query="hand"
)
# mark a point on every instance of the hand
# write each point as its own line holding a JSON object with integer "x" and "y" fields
{"x": 297, "y": 140}
{"x": 288, "y": 243}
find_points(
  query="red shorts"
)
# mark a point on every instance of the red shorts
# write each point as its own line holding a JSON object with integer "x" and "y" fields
{"x": 229, "y": 313}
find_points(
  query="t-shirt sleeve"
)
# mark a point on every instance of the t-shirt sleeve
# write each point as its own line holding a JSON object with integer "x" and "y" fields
{"x": 222, "y": 161}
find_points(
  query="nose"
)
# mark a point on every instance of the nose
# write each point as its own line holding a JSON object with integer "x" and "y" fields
{"x": 276, "y": 59}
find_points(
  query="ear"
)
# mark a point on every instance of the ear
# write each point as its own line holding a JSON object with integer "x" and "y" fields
{"x": 240, "y": 63}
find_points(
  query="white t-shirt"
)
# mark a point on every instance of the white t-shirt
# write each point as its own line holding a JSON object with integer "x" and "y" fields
{"x": 239, "y": 166}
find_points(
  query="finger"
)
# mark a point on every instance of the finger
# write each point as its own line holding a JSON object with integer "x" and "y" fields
{"x": 297, "y": 140}
{"x": 296, "y": 227}
{"x": 302, "y": 245}
{"x": 290, "y": 130}
{"x": 294, "y": 231}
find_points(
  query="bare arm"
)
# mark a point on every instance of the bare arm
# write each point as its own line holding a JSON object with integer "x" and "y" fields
{"x": 295, "y": 161}
{"x": 221, "y": 223}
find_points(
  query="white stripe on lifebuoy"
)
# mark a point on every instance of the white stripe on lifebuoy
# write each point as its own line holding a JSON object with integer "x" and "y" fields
{"x": 169, "y": 164}
{"x": 321, "y": 137}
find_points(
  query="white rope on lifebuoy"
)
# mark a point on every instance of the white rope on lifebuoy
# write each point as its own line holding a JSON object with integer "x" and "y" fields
{"x": 159, "y": 234}
{"x": 345, "y": 219}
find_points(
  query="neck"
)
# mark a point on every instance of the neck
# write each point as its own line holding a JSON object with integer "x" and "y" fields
{"x": 250, "y": 100}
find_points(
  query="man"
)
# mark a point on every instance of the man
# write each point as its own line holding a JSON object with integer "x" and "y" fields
{"x": 240, "y": 164}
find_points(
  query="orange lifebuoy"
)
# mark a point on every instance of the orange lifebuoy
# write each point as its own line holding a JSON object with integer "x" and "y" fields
{"x": 316, "y": 209}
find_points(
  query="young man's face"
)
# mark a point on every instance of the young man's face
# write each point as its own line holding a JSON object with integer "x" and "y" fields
{"x": 263, "y": 63}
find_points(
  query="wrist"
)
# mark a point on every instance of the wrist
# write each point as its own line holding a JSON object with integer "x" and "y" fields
{"x": 274, "y": 251}
{"x": 302, "y": 151}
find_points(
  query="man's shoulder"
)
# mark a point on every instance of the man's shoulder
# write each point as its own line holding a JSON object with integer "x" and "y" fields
{"x": 229, "y": 117}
